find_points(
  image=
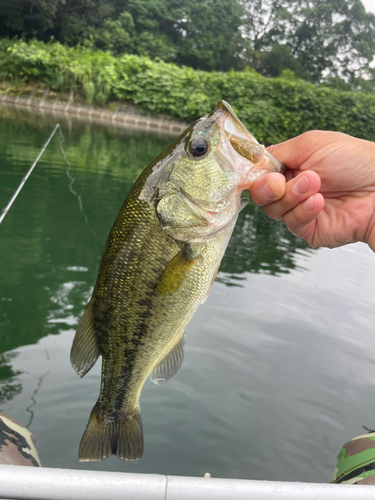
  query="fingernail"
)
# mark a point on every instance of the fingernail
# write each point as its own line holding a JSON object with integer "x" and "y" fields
{"x": 302, "y": 185}
{"x": 308, "y": 205}
{"x": 267, "y": 192}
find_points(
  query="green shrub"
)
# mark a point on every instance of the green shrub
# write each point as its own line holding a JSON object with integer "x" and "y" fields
{"x": 274, "y": 109}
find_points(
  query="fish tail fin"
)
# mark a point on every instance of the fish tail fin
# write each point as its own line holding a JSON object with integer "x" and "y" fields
{"x": 121, "y": 436}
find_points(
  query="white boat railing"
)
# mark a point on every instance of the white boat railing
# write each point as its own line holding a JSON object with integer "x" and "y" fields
{"x": 33, "y": 483}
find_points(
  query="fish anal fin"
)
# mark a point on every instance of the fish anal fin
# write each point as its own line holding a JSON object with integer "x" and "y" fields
{"x": 170, "y": 365}
{"x": 104, "y": 436}
{"x": 174, "y": 274}
{"x": 84, "y": 351}
{"x": 212, "y": 282}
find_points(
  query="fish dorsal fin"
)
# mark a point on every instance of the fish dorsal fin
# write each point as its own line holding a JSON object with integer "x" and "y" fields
{"x": 84, "y": 352}
{"x": 174, "y": 274}
{"x": 170, "y": 365}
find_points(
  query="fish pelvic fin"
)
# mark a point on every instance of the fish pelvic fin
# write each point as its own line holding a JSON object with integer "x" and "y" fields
{"x": 84, "y": 352}
{"x": 170, "y": 365}
{"x": 105, "y": 436}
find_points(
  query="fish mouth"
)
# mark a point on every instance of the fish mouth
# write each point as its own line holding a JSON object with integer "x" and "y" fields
{"x": 243, "y": 142}
{"x": 230, "y": 122}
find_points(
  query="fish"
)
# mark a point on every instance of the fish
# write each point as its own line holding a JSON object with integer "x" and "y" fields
{"x": 158, "y": 265}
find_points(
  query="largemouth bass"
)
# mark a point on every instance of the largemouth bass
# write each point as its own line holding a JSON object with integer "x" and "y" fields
{"x": 157, "y": 267}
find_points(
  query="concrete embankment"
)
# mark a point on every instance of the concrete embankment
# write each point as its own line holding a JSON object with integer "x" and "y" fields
{"x": 122, "y": 115}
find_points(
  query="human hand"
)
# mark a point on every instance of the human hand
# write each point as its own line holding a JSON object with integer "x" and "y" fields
{"x": 328, "y": 195}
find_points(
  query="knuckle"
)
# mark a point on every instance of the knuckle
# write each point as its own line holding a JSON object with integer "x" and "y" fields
{"x": 272, "y": 212}
{"x": 300, "y": 217}
{"x": 295, "y": 221}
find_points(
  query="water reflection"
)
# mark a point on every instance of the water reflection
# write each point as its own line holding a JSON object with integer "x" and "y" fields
{"x": 260, "y": 245}
{"x": 10, "y": 385}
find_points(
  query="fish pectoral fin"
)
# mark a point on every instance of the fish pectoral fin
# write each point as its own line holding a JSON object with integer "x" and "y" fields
{"x": 174, "y": 274}
{"x": 84, "y": 352}
{"x": 170, "y": 365}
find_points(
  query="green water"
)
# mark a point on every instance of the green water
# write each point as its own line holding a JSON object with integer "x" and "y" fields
{"x": 279, "y": 369}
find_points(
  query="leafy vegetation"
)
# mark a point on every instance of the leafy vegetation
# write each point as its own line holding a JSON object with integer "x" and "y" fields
{"x": 186, "y": 31}
{"x": 274, "y": 109}
{"x": 331, "y": 41}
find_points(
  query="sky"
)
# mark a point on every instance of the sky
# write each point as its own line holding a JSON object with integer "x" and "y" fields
{"x": 369, "y": 5}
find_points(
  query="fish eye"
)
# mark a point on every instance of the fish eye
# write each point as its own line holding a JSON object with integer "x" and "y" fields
{"x": 198, "y": 146}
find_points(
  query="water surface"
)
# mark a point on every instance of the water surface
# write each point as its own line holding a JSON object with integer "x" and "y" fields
{"x": 279, "y": 369}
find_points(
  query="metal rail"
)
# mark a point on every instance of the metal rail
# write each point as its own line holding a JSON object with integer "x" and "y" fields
{"x": 32, "y": 483}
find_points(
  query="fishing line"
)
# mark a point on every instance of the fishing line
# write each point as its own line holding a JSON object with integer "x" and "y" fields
{"x": 28, "y": 409}
{"x": 72, "y": 179}
{"x": 6, "y": 209}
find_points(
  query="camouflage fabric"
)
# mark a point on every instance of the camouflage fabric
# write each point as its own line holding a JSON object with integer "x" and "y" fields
{"x": 17, "y": 444}
{"x": 356, "y": 461}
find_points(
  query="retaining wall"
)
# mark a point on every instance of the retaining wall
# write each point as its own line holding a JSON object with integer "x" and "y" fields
{"x": 121, "y": 117}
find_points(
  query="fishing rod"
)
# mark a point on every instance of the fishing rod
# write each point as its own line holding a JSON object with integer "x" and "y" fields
{"x": 6, "y": 209}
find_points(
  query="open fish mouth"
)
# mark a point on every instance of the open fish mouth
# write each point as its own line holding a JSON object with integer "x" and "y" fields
{"x": 245, "y": 143}
{"x": 257, "y": 154}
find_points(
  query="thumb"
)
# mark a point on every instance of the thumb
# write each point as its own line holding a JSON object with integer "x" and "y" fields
{"x": 295, "y": 152}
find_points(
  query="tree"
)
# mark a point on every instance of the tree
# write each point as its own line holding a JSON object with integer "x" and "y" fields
{"x": 207, "y": 34}
{"x": 317, "y": 39}
{"x": 331, "y": 41}
{"x": 191, "y": 32}
{"x": 21, "y": 16}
